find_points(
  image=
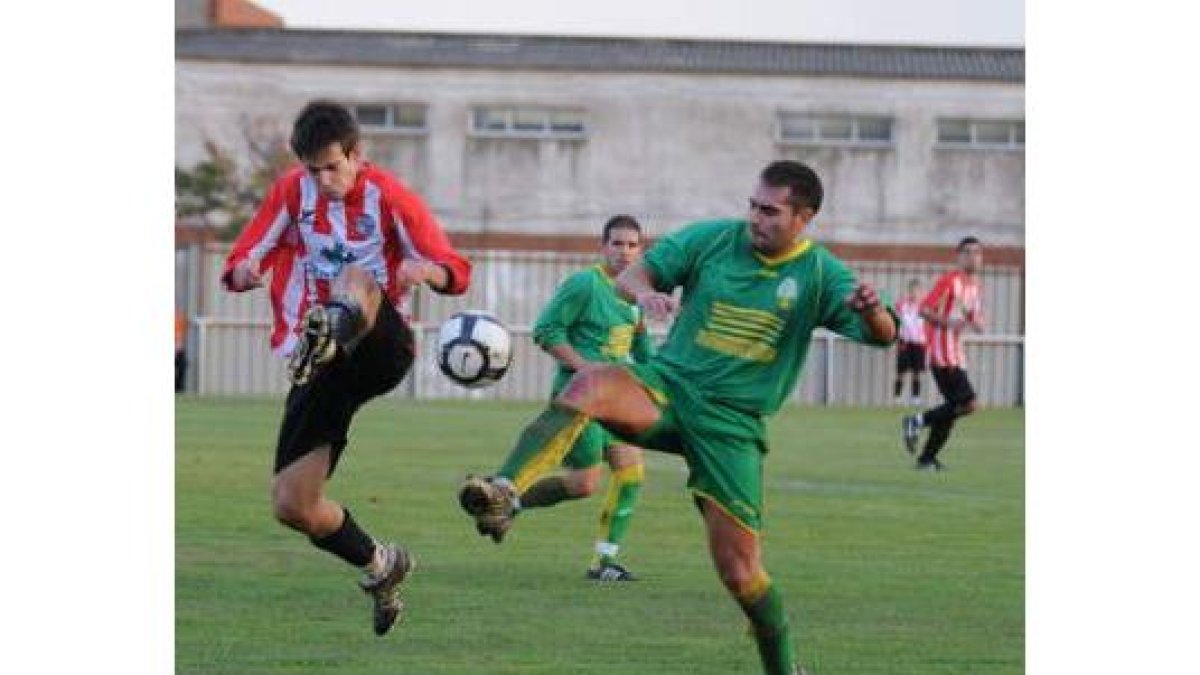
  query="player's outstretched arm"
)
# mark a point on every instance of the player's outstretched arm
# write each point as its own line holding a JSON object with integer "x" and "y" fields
{"x": 635, "y": 285}
{"x": 879, "y": 322}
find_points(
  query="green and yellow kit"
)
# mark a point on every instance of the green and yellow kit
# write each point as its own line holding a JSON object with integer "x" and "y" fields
{"x": 735, "y": 350}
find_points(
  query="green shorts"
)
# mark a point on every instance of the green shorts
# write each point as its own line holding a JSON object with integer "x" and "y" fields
{"x": 723, "y": 447}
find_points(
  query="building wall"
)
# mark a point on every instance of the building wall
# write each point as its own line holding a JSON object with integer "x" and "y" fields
{"x": 668, "y": 148}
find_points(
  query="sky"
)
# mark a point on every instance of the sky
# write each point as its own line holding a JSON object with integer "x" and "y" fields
{"x": 940, "y": 22}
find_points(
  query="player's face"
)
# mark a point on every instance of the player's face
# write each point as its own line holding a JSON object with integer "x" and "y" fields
{"x": 774, "y": 223}
{"x": 970, "y": 258}
{"x": 622, "y": 248}
{"x": 334, "y": 170}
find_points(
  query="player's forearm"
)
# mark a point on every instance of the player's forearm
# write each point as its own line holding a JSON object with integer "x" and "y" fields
{"x": 880, "y": 324}
{"x": 634, "y": 281}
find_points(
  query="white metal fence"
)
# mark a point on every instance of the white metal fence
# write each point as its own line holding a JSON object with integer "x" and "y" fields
{"x": 233, "y": 359}
{"x": 228, "y": 351}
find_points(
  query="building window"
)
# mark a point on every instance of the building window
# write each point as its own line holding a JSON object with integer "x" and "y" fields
{"x": 400, "y": 118}
{"x": 981, "y": 134}
{"x": 528, "y": 122}
{"x": 870, "y": 131}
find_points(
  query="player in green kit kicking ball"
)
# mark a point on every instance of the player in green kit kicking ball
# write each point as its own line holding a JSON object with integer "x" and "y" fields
{"x": 585, "y": 324}
{"x": 753, "y": 292}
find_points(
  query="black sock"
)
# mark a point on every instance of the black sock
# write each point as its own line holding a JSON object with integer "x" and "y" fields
{"x": 546, "y": 492}
{"x": 348, "y": 542}
{"x": 938, "y": 433}
{"x": 943, "y": 413}
{"x": 347, "y": 322}
{"x": 898, "y": 388}
{"x": 916, "y": 387}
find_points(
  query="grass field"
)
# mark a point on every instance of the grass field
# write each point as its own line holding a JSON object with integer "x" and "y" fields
{"x": 884, "y": 570}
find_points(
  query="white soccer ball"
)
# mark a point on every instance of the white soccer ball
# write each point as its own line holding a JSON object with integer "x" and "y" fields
{"x": 474, "y": 349}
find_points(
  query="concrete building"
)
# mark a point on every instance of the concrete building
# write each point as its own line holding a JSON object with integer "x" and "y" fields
{"x": 536, "y": 140}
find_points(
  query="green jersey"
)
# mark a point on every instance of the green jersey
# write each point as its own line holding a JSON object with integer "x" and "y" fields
{"x": 587, "y": 314}
{"x": 745, "y": 320}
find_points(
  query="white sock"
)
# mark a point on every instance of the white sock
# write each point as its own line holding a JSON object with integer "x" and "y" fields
{"x": 376, "y": 567}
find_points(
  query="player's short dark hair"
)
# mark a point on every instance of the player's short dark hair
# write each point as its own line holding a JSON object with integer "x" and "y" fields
{"x": 967, "y": 241}
{"x": 322, "y": 123}
{"x": 621, "y": 222}
{"x": 802, "y": 182}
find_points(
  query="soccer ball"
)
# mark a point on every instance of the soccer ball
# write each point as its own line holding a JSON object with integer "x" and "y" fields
{"x": 474, "y": 349}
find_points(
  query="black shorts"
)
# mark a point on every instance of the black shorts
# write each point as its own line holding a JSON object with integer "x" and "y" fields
{"x": 910, "y": 356}
{"x": 318, "y": 412}
{"x": 954, "y": 385}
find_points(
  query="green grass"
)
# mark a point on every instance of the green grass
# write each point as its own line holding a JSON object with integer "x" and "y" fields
{"x": 884, "y": 570}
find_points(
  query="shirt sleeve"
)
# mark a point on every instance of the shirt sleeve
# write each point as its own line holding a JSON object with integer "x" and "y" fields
{"x": 838, "y": 283}
{"x": 260, "y": 239}
{"x": 672, "y": 259}
{"x": 570, "y": 300}
{"x": 935, "y": 299}
{"x": 422, "y": 237}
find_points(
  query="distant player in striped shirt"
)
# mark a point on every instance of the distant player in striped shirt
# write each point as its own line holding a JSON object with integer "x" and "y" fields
{"x": 910, "y": 348}
{"x": 952, "y": 306}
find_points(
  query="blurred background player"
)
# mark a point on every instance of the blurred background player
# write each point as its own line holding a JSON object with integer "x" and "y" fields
{"x": 952, "y": 305}
{"x": 181, "y": 326}
{"x": 344, "y": 242}
{"x": 584, "y": 324}
{"x": 753, "y": 293}
{"x": 910, "y": 346}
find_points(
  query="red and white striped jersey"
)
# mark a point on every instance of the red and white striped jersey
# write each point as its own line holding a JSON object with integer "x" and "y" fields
{"x": 954, "y": 296}
{"x": 912, "y": 326}
{"x": 305, "y": 239}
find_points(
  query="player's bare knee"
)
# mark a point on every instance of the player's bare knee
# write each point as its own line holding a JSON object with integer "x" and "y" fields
{"x": 969, "y": 407}
{"x": 588, "y": 484}
{"x": 622, "y": 456}
{"x": 290, "y": 510}
{"x": 584, "y": 390}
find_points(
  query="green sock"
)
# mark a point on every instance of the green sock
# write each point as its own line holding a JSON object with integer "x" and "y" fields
{"x": 771, "y": 631}
{"x": 547, "y": 492}
{"x": 624, "y": 486}
{"x": 542, "y": 446}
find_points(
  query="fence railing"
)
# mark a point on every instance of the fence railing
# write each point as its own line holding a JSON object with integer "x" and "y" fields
{"x": 232, "y": 358}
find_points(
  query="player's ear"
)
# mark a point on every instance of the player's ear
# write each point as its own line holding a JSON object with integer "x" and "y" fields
{"x": 804, "y": 216}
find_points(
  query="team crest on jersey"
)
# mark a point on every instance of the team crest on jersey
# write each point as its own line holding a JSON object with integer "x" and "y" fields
{"x": 786, "y": 293}
{"x": 365, "y": 225}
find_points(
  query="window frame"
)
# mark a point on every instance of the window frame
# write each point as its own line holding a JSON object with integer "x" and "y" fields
{"x": 973, "y": 143}
{"x": 390, "y": 127}
{"x": 511, "y": 112}
{"x": 818, "y": 120}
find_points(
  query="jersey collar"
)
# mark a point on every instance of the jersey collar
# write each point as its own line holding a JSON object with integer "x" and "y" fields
{"x": 798, "y": 249}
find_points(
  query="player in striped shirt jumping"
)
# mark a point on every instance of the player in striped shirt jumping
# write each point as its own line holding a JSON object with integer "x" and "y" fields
{"x": 952, "y": 306}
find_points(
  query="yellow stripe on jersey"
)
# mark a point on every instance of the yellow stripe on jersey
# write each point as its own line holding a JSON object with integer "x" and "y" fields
{"x": 741, "y": 348}
{"x": 619, "y": 343}
{"x": 740, "y": 330}
{"x": 755, "y": 316}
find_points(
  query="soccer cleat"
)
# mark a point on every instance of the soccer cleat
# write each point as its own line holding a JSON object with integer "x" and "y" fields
{"x": 911, "y": 432}
{"x": 316, "y": 348}
{"x": 797, "y": 669}
{"x": 385, "y": 589}
{"x": 492, "y": 503}
{"x": 930, "y": 465}
{"x": 610, "y": 572}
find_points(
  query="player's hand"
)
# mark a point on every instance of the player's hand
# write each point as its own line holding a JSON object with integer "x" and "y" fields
{"x": 412, "y": 272}
{"x": 864, "y": 299}
{"x": 658, "y": 306}
{"x": 244, "y": 276}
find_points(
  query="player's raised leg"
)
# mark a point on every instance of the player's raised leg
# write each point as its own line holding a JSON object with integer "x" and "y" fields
{"x": 737, "y": 555}
{"x": 337, "y": 325}
{"x": 608, "y": 394}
